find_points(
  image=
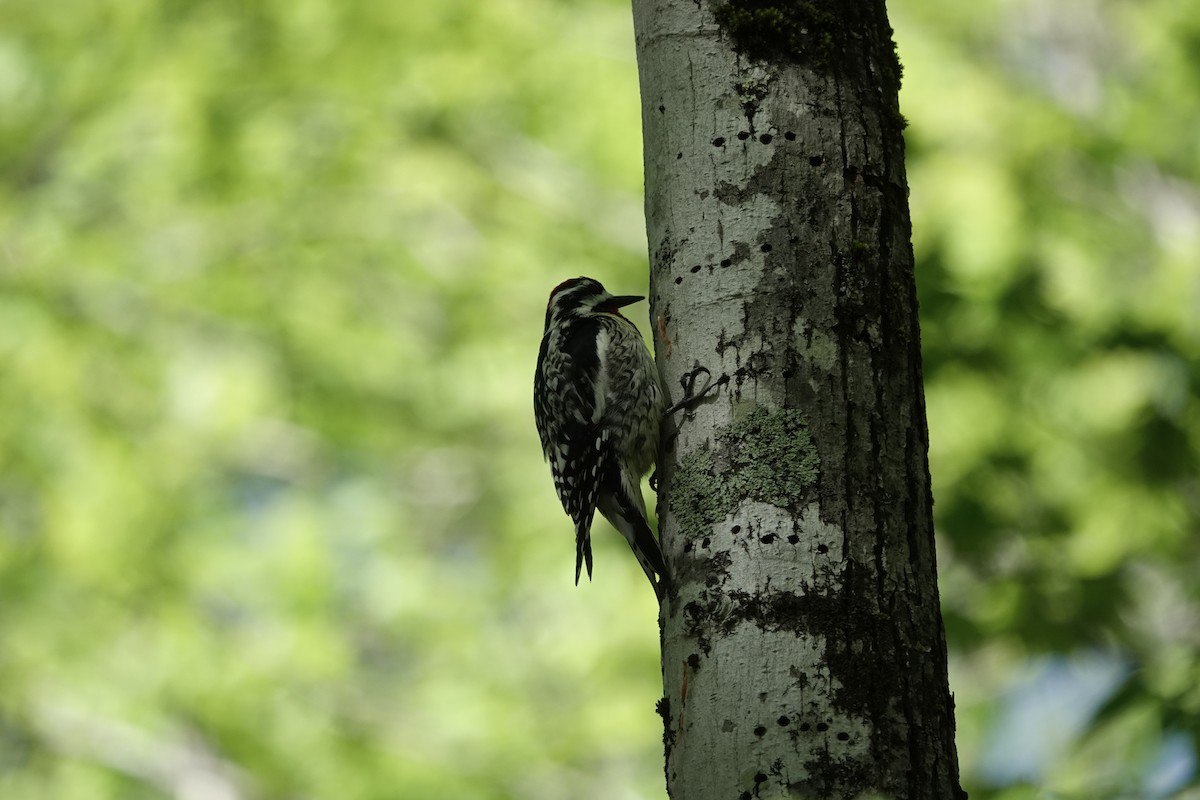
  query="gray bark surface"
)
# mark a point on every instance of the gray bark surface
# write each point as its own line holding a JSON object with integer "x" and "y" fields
{"x": 803, "y": 647}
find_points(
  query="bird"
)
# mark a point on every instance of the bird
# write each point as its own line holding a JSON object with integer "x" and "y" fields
{"x": 598, "y": 405}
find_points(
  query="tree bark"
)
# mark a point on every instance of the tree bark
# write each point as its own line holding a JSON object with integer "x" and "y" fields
{"x": 803, "y": 648}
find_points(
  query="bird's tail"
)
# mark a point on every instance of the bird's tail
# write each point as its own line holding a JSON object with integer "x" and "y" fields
{"x": 583, "y": 546}
{"x": 627, "y": 513}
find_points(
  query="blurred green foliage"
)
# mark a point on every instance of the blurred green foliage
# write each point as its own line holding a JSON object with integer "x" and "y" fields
{"x": 1056, "y": 203}
{"x": 273, "y": 517}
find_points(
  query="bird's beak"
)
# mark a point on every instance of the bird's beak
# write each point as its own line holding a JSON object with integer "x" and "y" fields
{"x": 623, "y": 300}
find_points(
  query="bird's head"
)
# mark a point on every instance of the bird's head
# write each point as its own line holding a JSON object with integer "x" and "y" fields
{"x": 582, "y": 297}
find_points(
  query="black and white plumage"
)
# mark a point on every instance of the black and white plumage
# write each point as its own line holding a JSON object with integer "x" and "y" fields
{"x": 598, "y": 405}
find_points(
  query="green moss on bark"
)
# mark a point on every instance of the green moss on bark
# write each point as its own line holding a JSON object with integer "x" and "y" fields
{"x": 767, "y": 456}
{"x": 700, "y": 494}
{"x": 793, "y": 31}
{"x": 772, "y": 457}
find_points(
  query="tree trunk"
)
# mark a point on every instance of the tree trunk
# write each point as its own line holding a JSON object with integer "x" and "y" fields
{"x": 803, "y": 647}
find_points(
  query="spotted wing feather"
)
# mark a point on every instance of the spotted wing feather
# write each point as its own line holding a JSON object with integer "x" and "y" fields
{"x": 568, "y": 426}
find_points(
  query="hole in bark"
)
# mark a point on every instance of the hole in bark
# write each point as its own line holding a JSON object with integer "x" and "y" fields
{"x": 745, "y": 796}
{"x": 760, "y": 777}
{"x": 822, "y": 727}
{"x": 804, "y": 726}
{"x": 678, "y": 281}
{"x": 783, "y": 721}
{"x": 725, "y": 262}
{"x": 822, "y": 549}
{"x": 793, "y": 539}
{"x": 761, "y": 730}
{"x": 744, "y": 135}
{"x": 766, "y": 248}
{"x": 694, "y": 660}
{"x": 687, "y": 547}
{"x": 696, "y": 268}
{"x": 768, "y": 539}
{"x": 816, "y": 161}
{"x": 719, "y": 141}
{"x": 661, "y": 109}
{"x": 766, "y": 138}
{"x": 705, "y": 543}
{"x": 843, "y": 737}
{"x": 678, "y": 156}
{"x": 791, "y": 137}
{"x": 736, "y": 529}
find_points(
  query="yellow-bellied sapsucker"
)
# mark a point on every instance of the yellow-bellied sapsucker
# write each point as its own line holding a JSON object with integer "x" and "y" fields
{"x": 598, "y": 404}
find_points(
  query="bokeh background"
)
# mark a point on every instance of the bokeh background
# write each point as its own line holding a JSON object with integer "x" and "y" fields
{"x": 274, "y": 521}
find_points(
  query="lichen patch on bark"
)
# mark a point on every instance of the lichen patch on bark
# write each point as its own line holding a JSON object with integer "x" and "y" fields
{"x": 765, "y": 456}
{"x": 797, "y": 31}
{"x": 772, "y": 457}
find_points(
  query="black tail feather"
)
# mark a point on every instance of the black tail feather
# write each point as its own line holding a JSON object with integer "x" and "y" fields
{"x": 643, "y": 537}
{"x": 650, "y": 556}
{"x": 583, "y": 550}
{"x": 627, "y": 515}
